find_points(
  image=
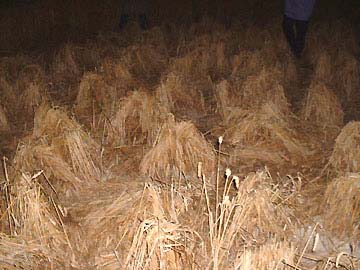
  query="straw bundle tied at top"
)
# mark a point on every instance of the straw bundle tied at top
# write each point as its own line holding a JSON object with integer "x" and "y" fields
{"x": 71, "y": 141}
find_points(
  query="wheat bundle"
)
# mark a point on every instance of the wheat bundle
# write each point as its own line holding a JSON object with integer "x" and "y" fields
{"x": 272, "y": 255}
{"x": 322, "y": 107}
{"x": 341, "y": 206}
{"x": 347, "y": 75}
{"x": 179, "y": 148}
{"x": 263, "y": 87}
{"x": 268, "y": 125}
{"x": 323, "y": 71}
{"x": 180, "y": 96}
{"x": 346, "y": 153}
{"x": 138, "y": 119}
{"x": 39, "y": 156}
{"x": 67, "y": 135}
{"x": 4, "y": 123}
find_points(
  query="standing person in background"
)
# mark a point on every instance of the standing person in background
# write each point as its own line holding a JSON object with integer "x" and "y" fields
{"x": 295, "y": 24}
{"x": 134, "y": 10}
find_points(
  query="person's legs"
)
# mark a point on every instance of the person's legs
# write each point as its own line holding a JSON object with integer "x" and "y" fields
{"x": 289, "y": 31}
{"x": 143, "y": 21}
{"x": 301, "y": 30}
{"x": 124, "y": 18}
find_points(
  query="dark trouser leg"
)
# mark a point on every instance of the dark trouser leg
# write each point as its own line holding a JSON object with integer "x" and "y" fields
{"x": 289, "y": 31}
{"x": 301, "y": 29}
{"x": 143, "y": 21}
{"x": 124, "y": 18}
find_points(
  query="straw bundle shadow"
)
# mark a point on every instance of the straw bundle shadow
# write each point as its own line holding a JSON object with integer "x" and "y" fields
{"x": 4, "y": 123}
{"x": 67, "y": 136}
{"x": 264, "y": 87}
{"x": 322, "y": 107}
{"x": 341, "y": 206}
{"x": 178, "y": 149}
{"x": 137, "y": 120}
{"x": 272, "y": 255}
{"x": 346, "y": 154}
{"x": 268, "y": 128}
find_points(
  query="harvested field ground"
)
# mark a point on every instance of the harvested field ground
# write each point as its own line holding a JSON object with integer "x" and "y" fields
{"x": 200, "y": 146}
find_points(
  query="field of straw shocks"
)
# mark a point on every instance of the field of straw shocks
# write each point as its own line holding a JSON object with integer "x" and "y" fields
{"x": 182, "y": 147}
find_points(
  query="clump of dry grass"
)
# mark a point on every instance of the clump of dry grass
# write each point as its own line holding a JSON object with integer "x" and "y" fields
{"x": 268, "y": 128}
{"x": 178, "y": 149}
{"x": 4, "y": 123}
{"x": 138, "y": 119}
{"x": 341, "y": 206}
{"x": 322, "y": 107}
{"x": 346, "y": 153}
{"x": 272, "y": 255}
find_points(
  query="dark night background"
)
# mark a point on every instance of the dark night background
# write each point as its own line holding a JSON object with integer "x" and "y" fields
{"x": 30, "y": 25}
